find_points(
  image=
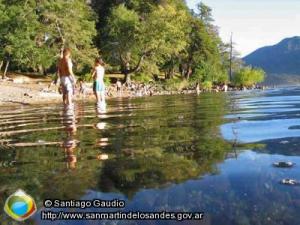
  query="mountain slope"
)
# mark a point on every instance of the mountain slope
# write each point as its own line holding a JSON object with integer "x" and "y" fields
{"x": 282, "y": 59}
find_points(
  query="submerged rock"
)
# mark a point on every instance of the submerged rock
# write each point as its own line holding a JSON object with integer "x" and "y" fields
{"x": 102, "y": 157}
{"x": 289, "y": 182}
{"x": 283, "y": 164}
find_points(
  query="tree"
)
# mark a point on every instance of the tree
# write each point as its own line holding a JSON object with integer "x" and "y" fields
{"x": 142, "y": 36}
{"x": 166, "y": 38}
{"x": 23, "y": 35}
{"x": 123, "y": 46}
{"x": 3, "y": 19}
{"x": 202, "y": 55}
{"x": 37, "y": 31}
{"x": 248, "y": 76}
{"x": 134, "y": 39}
{"x": 204, "y": 13}
{"x": 70, "y": 24}
{"x": 231, "y": 60}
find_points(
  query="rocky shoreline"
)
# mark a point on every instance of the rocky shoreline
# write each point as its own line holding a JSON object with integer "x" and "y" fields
{"x": 24, "y": 91}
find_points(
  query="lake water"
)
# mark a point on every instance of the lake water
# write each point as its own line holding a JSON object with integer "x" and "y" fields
{"x": 211, "y": 153}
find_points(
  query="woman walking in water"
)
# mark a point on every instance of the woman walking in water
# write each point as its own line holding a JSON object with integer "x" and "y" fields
{"x": 99, "y": 86}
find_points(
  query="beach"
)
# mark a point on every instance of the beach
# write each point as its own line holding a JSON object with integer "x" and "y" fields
{"x": 26, "y": 91}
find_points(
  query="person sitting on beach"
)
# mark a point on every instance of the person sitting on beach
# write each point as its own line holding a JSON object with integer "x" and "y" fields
{"x": 99, "y": 86}
{"x": 198, "y": 91}
{"x": 225, "y": 87}
{"x": 67, "y": 77}
{"x": 82, "y": 87}
{"x": 119, "y": 86}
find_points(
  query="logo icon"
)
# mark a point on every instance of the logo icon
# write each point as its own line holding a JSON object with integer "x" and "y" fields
{"x": 20, "y": 206}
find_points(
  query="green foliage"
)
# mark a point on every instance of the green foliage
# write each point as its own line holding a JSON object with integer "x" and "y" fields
{"x": 3, "y": 28}
{"x": 106, "y": 81}
{"x": 36, "y": 32}
{"x": 73, "y": 28}
{"x": 138, "y": 37}
{"x": 204, "y": 13}
{"x": 87, "y": 77}
{"x": 207, "y": 85}
{"x": 202, "y": 59}
{"x": 25, "y": 38}
{"x": 222, "y": 77}
{"x": 206, "y": 72}
{"x": 163, "y": 31}
{"x": 176, "y": 84}
{"x": 142, "y": 78}
{"x": 249, "y": 76}
{"x": 123, "y": 42}
{"x": 134, "y": 39}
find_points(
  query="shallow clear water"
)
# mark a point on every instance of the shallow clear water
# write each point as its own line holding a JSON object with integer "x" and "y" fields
{"x": 211, "y": 153}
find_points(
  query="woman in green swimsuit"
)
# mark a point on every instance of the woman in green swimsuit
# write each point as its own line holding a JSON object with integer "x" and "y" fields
{"x": 99, "y": 86}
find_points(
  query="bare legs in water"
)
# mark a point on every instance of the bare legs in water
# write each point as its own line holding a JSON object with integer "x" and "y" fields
{"x": 100, "y": 96}
{"x": 67, "y": 98}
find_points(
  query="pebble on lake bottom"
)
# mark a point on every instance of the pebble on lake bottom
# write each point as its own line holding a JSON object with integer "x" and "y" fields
{"x": 289, "y": 182}
{"x": 101, "y": 126}
{"x": 283, "y": 164}
{"x": 102, "y": 157}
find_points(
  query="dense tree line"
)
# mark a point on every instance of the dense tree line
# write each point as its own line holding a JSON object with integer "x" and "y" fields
{"x": 138, "y": 38}
{"x": 32, "y": 33}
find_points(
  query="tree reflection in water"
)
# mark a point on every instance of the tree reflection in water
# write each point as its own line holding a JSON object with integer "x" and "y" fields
{"x": 150, "y": 143}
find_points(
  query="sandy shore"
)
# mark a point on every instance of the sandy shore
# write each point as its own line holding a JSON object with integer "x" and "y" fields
{"x": 29, "y": 93}
{"x": 23, "y": 90}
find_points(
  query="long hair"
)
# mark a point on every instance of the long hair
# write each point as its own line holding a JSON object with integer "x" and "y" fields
{"x": 99, "y": 61}
{"x": 66, "y": 51}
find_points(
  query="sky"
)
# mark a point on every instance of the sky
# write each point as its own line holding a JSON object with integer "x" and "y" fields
{"x": 254, "y": 23}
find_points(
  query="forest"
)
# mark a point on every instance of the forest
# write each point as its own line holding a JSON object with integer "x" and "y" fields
{"x": 144, "y": 40}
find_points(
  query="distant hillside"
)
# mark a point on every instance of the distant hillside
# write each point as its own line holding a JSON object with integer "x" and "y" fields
{"x": 281, "y": 61}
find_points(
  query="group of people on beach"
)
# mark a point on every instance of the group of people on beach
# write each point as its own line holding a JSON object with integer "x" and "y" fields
{"x": 68, "y": 80}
